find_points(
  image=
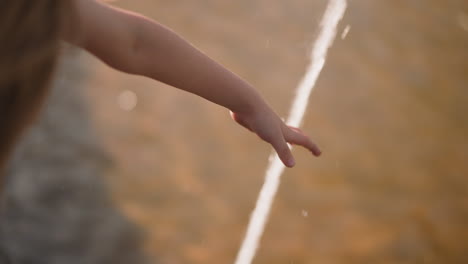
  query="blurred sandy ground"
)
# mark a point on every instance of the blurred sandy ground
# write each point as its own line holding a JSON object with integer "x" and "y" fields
{"x": 389, "y": 110}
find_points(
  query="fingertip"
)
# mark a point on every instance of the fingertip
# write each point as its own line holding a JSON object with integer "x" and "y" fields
{"x": 291, "y": 162}
{"x": 287, "y": 159}
{"x": 316, "y": 152}
{"x": 284, "y": 152}
{"x": 315, "y": 149}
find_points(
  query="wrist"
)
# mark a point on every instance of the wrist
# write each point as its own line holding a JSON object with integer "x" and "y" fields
{"x": 251, "y": 104}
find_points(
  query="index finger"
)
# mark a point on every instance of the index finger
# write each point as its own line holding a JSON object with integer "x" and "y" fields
{"x": 295, "y": 136}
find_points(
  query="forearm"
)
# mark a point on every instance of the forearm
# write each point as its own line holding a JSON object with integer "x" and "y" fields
{"x": 163, "y": 55}
{"x": 134, "y": 44}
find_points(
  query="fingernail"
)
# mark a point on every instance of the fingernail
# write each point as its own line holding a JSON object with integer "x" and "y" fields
{"x": 291, "y": 162}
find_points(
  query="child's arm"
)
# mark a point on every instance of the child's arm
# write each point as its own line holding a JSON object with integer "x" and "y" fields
{"x": 138, "y": 45}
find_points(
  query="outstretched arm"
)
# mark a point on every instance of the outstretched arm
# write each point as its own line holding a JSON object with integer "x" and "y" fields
{"x": 134, "y": 44}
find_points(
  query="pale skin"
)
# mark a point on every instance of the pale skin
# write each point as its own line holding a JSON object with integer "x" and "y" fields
{"x": 134, "y": 44}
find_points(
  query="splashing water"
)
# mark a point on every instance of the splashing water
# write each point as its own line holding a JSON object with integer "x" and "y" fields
{"x": 333, "y": 14}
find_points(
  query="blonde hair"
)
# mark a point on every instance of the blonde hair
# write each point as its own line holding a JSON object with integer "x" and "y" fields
{"x": 29, "y": 44}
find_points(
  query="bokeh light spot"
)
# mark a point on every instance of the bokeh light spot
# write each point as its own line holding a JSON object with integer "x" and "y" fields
{"x": 127, "y": 100}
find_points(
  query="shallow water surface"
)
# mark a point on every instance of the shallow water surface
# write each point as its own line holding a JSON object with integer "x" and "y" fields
{"x": 389, "y": 111}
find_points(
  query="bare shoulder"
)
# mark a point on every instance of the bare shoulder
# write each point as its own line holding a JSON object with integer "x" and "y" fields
{"x": 82, "y": 12}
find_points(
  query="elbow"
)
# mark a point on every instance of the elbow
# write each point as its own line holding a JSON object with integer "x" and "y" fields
{"x": 124, "y": 53}
{"x": 133, "y": 56}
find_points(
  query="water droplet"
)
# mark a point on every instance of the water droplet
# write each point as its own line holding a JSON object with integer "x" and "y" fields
{"x": 127, "y": 100}
{"x": 345, "y": 31}
{"x": 305, "y": 213}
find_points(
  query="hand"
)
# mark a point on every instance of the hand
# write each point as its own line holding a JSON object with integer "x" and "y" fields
{"x": 269, "y": 127}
